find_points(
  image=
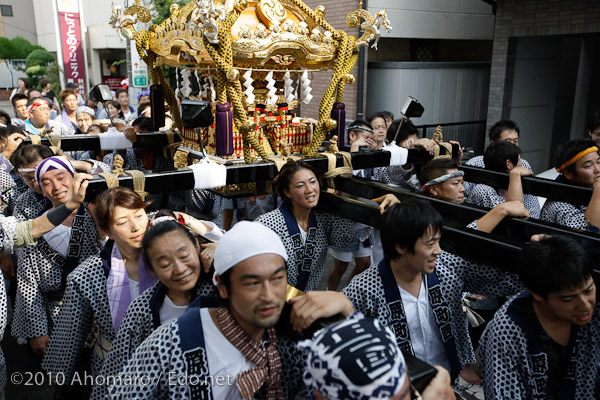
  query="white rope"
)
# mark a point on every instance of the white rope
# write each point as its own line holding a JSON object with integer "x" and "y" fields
{"x": 177, "y": 91}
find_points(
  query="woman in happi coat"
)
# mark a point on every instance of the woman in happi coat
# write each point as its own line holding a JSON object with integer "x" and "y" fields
{"x": 101, "y": 288}
{"x": 306, "y": 233}
{"x": 172, "y": 254}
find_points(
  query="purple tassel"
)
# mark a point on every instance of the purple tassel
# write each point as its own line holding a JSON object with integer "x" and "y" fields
{"x": 224, "y": 129}
{"x": 339, "y": 115}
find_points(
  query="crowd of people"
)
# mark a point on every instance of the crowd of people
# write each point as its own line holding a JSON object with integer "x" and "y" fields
{"x": 167, "y": 297}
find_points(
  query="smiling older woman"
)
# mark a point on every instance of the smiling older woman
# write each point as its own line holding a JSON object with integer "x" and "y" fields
{"x": 172, "y": 254}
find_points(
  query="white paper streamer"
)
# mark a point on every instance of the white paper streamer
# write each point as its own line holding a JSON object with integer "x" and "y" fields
{"x": 288, "y": 90}
{"x": 213, "y": 94}
{"x": 177, "y": 91}
{"x": 272, "y": 94}
{"x": 296, "y": 94}
{"x": 306, "y": 89}
{"x": 205, "y": 88}
{"x": 201, "y": 90}
{"x": 186, "y": 84}
{"x": 208, "y": 174}
{"x": 249, "y": 92}
{"x": 114, "y": 140}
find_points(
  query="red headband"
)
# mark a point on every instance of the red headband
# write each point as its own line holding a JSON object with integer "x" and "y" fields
{"x": 36, "y": 104}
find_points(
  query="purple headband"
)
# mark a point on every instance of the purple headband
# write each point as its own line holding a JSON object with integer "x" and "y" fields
{"x": 143, "y": 93}
{"x": 50, "y": 163}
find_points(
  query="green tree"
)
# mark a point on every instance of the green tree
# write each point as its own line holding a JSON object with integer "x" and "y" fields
{"x": 161, "y": 9}
{"x": 17, "y": 48}
{"x": 7, "y": 50}
{"x": 39, "y": 57}
{"x": 37, "y": 62}
{"x": 22, "y": 47}
{"x": 53, "y": 75}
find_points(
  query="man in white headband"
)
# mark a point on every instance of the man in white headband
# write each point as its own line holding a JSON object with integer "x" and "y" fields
{"x": 237, "y": 341}
{"x": 85, "y": 118}
{"x": 359, "y": 359}
{"x": 441, "y": 179}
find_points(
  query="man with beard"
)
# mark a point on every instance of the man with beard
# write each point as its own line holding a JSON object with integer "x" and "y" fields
{"x": 232, "y": 351}
{"x": 545, "y": 343}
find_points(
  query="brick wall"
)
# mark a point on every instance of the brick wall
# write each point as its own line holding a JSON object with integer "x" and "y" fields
{"x": 519, "y": 18}
{"x": 336, "y": 16}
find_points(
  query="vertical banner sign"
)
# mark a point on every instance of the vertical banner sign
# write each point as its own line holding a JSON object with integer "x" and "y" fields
{"x": 72, "y": 49}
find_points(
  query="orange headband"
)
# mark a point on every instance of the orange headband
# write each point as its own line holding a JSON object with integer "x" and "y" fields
{"x": 577, "y": 157}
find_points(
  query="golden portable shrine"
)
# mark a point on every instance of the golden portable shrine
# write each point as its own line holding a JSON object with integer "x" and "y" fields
{"x": 252, "y": 61}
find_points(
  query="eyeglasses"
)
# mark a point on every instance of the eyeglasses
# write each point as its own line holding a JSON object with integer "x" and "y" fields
{"x": 43, "y": 108}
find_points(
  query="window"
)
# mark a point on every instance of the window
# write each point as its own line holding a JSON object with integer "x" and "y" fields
{"x": 6, "y": 11}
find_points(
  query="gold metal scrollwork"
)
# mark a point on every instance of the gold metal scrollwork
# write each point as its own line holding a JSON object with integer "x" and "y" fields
{"x": 271, "y": 12}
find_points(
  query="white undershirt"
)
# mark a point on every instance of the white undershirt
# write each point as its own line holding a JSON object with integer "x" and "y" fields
{"x": 224, "y": 360}
{"x": 134, "y": 288}
{"x": 424, "y": 335}
{"x": 169, "y": 310}
{"x": 303, "y": 234}
{"x": 59, "y": 238}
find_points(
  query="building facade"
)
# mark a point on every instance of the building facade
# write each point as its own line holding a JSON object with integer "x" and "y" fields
{"x": 543, "y": 75}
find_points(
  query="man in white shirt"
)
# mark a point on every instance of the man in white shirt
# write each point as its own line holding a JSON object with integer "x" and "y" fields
{"x": 417, "y": 288}
{"x": 129, "y": 113}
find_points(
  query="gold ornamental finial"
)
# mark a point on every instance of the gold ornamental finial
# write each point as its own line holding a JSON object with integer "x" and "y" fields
{"x": 437, "y": 135}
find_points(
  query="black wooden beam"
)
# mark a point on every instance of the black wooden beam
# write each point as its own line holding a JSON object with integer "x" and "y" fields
{"x": 531, "y": 185}
{"x": 261, "y": 171}
{"x": 92, "y": 142}
{"x": 483, "y": 247}
{"x": 479, "y": 246}
{"x": 360, "y": 160}
{"x": 463, "y": 214}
